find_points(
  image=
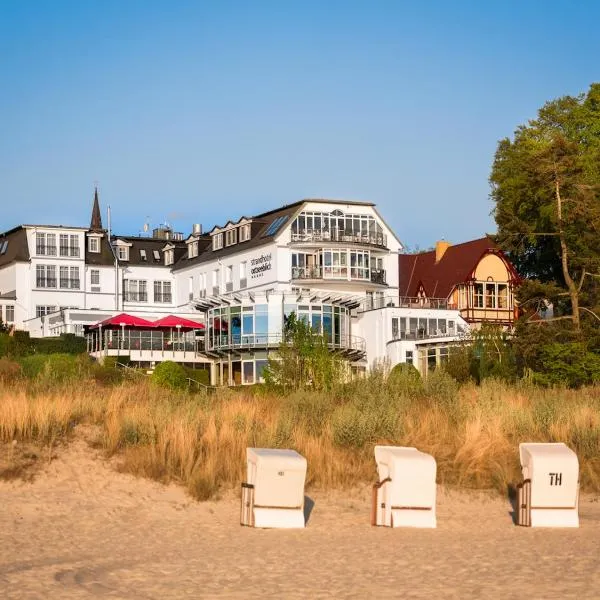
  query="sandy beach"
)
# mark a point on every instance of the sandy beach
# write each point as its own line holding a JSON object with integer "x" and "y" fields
{"x": 82, "y": 530}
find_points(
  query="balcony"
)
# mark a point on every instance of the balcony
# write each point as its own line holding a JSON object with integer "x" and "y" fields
{"x": 405, "y": 302}
{"x": 340, "y": 273}
{"x": 349, "y": 345}
{"x": 311, "y": 236}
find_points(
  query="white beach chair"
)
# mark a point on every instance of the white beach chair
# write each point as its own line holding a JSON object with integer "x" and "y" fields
{"x": 549, "y": 493}
{"x": 405, "y": 494}
{"x": 273, "y": 495}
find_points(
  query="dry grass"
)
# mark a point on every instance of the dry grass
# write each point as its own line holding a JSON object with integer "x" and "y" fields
{"x": 200, "y": 441}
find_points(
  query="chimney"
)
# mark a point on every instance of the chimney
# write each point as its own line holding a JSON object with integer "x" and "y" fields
{"x": 440, "y": 249}
{"x": 197, "y": 229}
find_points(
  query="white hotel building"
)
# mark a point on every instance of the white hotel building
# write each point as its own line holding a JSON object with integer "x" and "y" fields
{"x": 333, "y": 263}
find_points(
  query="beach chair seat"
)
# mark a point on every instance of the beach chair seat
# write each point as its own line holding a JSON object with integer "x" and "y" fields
{"x": 548, "y": 496}
{"x": 405, "y": 495}
{"x": 273, "y": 495}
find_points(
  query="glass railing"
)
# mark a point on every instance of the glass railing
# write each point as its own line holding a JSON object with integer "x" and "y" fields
{"x": 339, "y": 272}
{"x": 336, "y": 235}
{"x": 259, "y": 340}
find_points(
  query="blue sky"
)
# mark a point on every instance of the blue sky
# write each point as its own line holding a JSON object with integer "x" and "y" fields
{"x": 205, "y": 111}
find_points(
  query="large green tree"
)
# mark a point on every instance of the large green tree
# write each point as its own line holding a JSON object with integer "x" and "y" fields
{"x": 546, "y": 190}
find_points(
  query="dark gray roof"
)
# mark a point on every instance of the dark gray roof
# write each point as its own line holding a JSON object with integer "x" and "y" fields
{"x": 103, "y": 258}
{"x": 149, "y": 245}
{"x": 17, "y": 249}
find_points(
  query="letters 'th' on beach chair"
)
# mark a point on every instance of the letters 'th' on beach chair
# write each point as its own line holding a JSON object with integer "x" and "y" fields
{"x": 273, "y": 495}
{"x": 548, "y": 496}
{"x": 405, "y": 494}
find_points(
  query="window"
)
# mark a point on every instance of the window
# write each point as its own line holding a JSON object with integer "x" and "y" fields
{"x": 69, "y": 278}
{"x": 64, "y": 244}
{"x": 478, "y": 295}
{"x": 162, "y": 291}
{"x": 217, "y": 241}
{"x": 45, "y": 244}
{"x": 359, "y": 265}
{"x": 135, "y": 290}
{"x": 169, "y": 256}
{"x": 335, "y": 264}
{"x": 156, "y": 255}
{"x": 395, "y": 328}
{"x": 502, "y": 295}
{"x": 45, "y": 276}
{"x": 68, "y": 245}
{"x": 245, "y": 233}
{"x": 193, "y": 249}
{"x": 94, "y": 244}
{"x": 274, "y": 227}
{"x": 3, "y": 247}
{"x": 431, "y": 359}
{"x": 490, "y": 295}
{"x": 41, "y": 311}
{"x": 64, "y": 277}
{"x": 10, "y": 313}
{"x": 409, "y": 357}
{"x": 94, "y": 277}
{"x": 215, "y": 282}
{"x": 231, "y": 237}
{"x": 123, "y": 252}
{"x": 143, "y": 255}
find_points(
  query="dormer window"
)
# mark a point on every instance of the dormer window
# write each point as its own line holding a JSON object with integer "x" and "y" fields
{"x": 169, "y": 256}
{"x": 244, "y": 233}
{"x": 156, "y": 255}
{"x": 143, "y": 255}
{"x": 123, "y": 253}
{"x": 94, "y": 244}
{"x": 231, "y": 237}
{"x": 217, "y": 241}
{"x": 193, "y": 249}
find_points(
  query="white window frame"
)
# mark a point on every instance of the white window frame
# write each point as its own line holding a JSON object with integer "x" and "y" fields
{"x": 244, "y": 232}
{"x": 231, "y": 237}
{"x": 123, "y": 253}
{"x": 95, "y": 277}
{"x": 94, "y": 244}
{"x": 217, "y": 241}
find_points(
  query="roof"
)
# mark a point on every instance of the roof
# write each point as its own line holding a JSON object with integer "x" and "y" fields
{"x": 17, "y": 249}
{"x": 96, "y": 222}
{"x": 456, "y": 266}
{"x": 258, "y": 237}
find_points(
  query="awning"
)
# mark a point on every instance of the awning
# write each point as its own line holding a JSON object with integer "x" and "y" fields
{"x": 173, "y": 322}
{"x": 123, "y": 320}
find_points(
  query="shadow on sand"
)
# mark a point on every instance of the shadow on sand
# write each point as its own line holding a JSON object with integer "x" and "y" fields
{"x": 309, "y": 504}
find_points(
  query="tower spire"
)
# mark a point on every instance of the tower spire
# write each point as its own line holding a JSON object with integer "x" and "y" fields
{"x": 96, "y": 223}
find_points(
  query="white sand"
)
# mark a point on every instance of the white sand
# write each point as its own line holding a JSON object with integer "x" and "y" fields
{"x": 82, "y": 530}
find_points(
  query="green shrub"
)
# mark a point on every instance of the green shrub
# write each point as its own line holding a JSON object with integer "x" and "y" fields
{"x": 106, "y": 375}
{"x": 441, "y": 387}
{"x": 404, "y": 378}
{"x": 170, "y": 374}
{"x": 200, "y": 375}
{"x": 9, "y": 370}
{"x": 63, "y": 367}
{"x": 568, "y": 364}
{"x": 33, "y": 365}
{"x": 67, "y": 343}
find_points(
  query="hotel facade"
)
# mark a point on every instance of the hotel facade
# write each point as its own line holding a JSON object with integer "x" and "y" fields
{"x": 335, "y": 264}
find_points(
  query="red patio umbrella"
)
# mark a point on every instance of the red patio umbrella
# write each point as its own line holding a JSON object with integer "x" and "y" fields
{"x": 123, "y": 320}
{"x": 172, "y": 322}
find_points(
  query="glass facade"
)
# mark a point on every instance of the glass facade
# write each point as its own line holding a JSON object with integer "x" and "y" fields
{"x": 249, "y": 326}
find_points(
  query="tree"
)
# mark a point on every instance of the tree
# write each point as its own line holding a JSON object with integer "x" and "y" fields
{"x": 546, "y": 190}
{"x": 303, "y": 360}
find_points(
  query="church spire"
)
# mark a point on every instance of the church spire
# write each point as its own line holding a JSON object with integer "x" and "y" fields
{"x": 96, "y": 223}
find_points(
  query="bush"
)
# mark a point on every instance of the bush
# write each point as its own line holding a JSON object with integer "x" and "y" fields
{"x": 33, "y": 365}
{"x": 441, "y": 387}
{"x": 67, "y": 343}
{"x": 405, "y": 379}
{"x": 9, "y": 370}
{"x": 200, "y": 375}
{"x": 64, "y": 367}
{"x": 107, "y": 375}
{"x": 170, "y": 374}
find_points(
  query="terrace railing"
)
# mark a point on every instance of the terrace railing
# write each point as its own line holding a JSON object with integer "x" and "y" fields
{"x": 338, "y": 235}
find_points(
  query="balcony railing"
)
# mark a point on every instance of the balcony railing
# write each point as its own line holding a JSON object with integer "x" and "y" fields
{"x": 135, "y": 296}
{"x": 272, "y": 340}
{"x": 337, "y": 235}
{"x": 405, "y": 302}
{"x": 156, "y": 341}
{"x": 339, "y": 272}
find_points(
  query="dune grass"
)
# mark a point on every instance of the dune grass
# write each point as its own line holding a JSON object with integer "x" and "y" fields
{"x": 200, "y": 441}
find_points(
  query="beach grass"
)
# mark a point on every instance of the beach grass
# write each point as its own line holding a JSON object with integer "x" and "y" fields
{"x": 199, "y": 440}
